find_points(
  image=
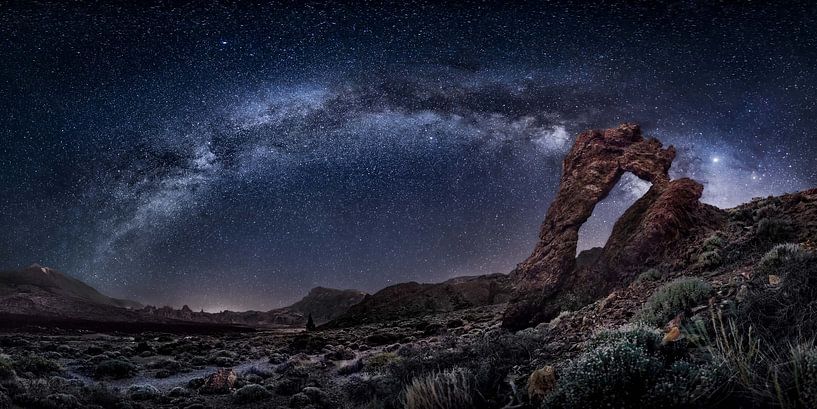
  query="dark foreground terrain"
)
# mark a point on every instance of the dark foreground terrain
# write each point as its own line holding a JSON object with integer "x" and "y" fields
{"x": 687, "y": 306}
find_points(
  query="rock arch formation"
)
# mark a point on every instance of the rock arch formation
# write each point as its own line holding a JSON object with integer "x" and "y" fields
{"x": 591, "y": 169}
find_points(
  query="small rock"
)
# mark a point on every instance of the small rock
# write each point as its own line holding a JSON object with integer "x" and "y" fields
{"x": 220, "y": 382}
{"x": 541, "y": 382}
{"x": 672, "y": 335}
{"x": 774, "y": 279}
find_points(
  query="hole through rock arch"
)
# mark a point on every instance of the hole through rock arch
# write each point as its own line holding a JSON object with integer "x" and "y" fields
{"x": 596, "y": 230}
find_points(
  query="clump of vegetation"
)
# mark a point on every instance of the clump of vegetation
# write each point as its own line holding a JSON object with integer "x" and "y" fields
{"x": 710, "y": 259}
{"x": 651, "y": 274}
{"x": 672, "y": 298}
{"x": 251, "y": 393}
{"x": 766, "y": 371}
{"x": 350, "y": 368}
{"x": 6, "y": 369}
{"x": 36, "y": 365}
{"x": 380, "y": 361}
{"x": 450, "y": 389}
{"x": 713, "y": 242}
{"x": 102, "y": 395}
{"x": 773, "y": 230}
{"x": 143, "y": 392}
{"x": 631, "y": 368}
{"x": 780, "y": 255}
{"x": 789, "y": 306}
{"x": 114, "y": 369}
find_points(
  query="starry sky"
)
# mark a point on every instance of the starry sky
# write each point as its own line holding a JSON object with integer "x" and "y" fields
{"x": 234, "y": 155}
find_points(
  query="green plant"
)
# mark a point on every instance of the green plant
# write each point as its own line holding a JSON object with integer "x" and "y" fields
{"x": 651, "y": 274}
{"x": 251, "y": 393}
{"x": 713, "y": 242}
{"x": 631, "y": 368}
{"x": 36, "y": 365}
{"x": 790, "y": 306}
{"x": 780, "y": 255}
{"x": 673, "y": 298}
{"x": 380, "y": 361}
{"x": 772, "y": 229}
{"x": 451, "y": 389}
{"x": 710, "y": 259}
{"x": 114, "y": 369}
{"x": 6, "y": 369}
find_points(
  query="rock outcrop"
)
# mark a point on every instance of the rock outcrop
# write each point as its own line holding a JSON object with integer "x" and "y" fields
{"x": 415, "y": 299}
{"x": 326, "y": 304}
{"x": 596, "y": 162}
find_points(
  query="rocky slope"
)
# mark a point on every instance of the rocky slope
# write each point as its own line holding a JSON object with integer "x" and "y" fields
{"x": 47, "y": 281}
{"x": 416, "y": 299}
{"x": 326, "y": 304}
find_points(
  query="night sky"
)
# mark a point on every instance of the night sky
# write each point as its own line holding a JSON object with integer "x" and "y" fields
{"x": 235, "y": 155}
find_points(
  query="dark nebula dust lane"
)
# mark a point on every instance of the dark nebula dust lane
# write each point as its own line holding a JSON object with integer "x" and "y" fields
{"x": 234, "y": 155}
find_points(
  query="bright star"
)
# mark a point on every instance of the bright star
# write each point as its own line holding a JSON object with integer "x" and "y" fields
{"x": 716, "y": 159}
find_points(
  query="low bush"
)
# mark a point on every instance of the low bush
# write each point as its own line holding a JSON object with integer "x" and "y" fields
{"x": 780, "y": 255}
{"x": 673, "y": 298}
{"x": 36, "y": 365}
{"x": 380, "y": 361}
{"x": 713, "y": 242}
{"x": 450, "y": 389}
{"x": 652, "y": 274}
{"x": 6, "y": 369}
{"x": 773, "y": 230}
{"x": 251, "y": 393}
{"x": 114, "y": 369}
{"x": 789, "y": 307}
{"x": 710, "y": 259}
{"x": 631, "y": 368}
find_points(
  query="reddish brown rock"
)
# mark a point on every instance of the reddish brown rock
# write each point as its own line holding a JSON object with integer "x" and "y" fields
{"x": 591, "y": 169}
{"x": 220, "y": 382}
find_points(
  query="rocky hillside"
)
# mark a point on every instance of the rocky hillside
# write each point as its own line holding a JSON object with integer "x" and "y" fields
{"x": 326, "y": 304}
{"x": 36, "y": 278}
{"x": 47, "y": 293}
{"x": 415, "y": 299}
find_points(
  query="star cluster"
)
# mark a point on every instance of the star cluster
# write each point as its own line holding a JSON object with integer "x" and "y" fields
{"x": 233, "y": 155}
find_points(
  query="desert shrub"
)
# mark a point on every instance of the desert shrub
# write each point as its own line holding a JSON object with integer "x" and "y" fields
{"x": 143, "y": 392}
{"x": 713, "y": 242}
{"x": 684, "y": 385}
{"x": 766, "y": 371}
{"x": 114, "y": 369}
{"x": 5, "y": 401}
{"x": 779, "y": 255}
{"x": 631, "y": 368}
{"x": 450, "y": 389}
{"x": 6, "y": 369}
{"x": 803, "y": 370}
{"x": 651, "y": 274}
{"x": 36, "y": 365}
{"x": 710, "y": 259}
{"x": 672, "y": 298}
{"x": 251, "y": 393}
{"x": 103, "y": 395}
{"x": 380, "y": 361}
{"x": 350, "y": 368}
{"x": 490, "y": 358}
{"x": 790, "y": 307}
{"x": 773, "y": 230}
